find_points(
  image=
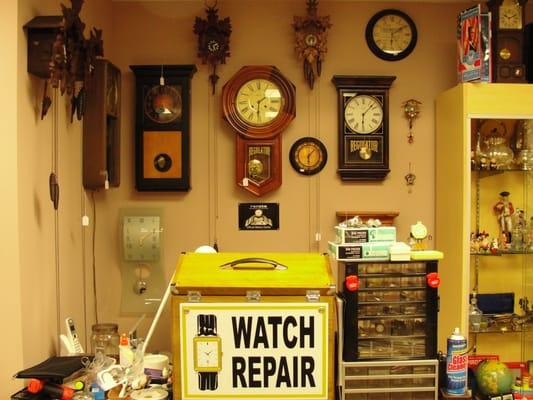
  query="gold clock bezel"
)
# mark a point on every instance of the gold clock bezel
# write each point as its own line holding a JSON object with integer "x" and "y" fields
{"x": 299, "y": 147}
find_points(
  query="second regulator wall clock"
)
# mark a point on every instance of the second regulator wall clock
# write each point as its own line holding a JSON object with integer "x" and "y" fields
{"x": 363, "y": 123}
{"x": 258, "y": 102}
{"x": 162, "y": 127}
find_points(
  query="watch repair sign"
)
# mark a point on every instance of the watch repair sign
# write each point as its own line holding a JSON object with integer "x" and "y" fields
{"x": 254, "y": 350}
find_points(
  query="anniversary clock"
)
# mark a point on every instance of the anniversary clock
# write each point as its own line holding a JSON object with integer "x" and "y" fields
{"x": 258, "y": 102}
{"x": 508, "y": 40}
{"x": 162, "y": 126}
{"x": 363, "y": 123}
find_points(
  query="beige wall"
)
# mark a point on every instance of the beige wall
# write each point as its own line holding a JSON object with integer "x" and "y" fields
{"x": 161, "y": 33}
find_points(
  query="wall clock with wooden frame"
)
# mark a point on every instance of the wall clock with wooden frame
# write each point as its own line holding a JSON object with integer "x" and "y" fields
{"x": 507, "y": 28}
{"x": 258, "y": 102}
{"x": 162, "y": 126}
{"x": 101, "y": 127}
{"x": 363, "y": 123}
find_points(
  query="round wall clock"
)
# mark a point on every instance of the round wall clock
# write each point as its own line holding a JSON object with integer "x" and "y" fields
{"x": 258, "y": 102}
{"x": 391, "y": 35}
{"x": 162, "y": 104}
{"x": 308, "y": 156}
{"x": 363, "y": 114}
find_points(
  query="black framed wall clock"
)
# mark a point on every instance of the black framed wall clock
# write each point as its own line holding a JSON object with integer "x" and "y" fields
{"x": 162, "y": 126}
{"x": 391, "y": 35}
{"x": 308, "y": 155}
{"x": 258, "y": 102}
{"x": 363, "y": 124}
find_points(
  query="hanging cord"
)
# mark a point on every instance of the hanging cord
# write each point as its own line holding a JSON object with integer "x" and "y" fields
{"x": 94, "y": 259}
{"x": 309, "y": 185}
{"x": 83, "y": 261}
{"x": 213, "y": 171}
{"x": 55, "y": 146}
{"x": 317, "y": 176}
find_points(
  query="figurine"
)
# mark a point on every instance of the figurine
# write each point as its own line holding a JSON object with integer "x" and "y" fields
{"x": 504, "y": 210}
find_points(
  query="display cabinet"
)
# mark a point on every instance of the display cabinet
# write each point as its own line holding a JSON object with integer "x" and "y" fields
{"x": 484, "y": 212}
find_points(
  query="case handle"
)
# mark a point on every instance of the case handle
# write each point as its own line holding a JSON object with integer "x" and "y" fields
{"x": 236, "y": 263}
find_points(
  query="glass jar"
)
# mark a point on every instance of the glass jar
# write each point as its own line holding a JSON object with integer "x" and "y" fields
{"x": 105, "y": 339}
{"x": 500, "y": 155}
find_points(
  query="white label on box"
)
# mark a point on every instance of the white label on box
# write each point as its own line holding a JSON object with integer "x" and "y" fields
{"x": 262, "y": 351}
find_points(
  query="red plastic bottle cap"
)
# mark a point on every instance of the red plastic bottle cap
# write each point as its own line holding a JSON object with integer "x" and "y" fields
{"x": 433, "y": 279}
{"x": 352, "y": 283}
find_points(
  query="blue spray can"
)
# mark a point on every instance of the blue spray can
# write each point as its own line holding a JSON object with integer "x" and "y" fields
{"x": 456, "y": 364}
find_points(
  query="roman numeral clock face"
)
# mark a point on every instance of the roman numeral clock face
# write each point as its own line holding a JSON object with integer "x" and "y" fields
{"x": 363, "y": 114}
{"x": 259, "y": 102}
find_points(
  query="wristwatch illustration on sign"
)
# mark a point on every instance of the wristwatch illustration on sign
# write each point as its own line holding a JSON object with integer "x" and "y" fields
{"x": 207, "y": 352}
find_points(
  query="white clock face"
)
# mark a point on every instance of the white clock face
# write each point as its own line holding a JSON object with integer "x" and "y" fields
{"x": 207, "y": 353}
{"x": 419, "y": 231}
{"x": 141, "y": 238}
{"x": 363, "y": 114}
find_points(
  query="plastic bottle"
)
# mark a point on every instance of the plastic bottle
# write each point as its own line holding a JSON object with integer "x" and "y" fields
{"x": 456, "y": 364}
{"x": 125, "y": 352}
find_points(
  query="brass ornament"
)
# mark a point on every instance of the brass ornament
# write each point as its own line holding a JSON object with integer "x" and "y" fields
{"x": 213, "y": 40}
{"x": 411, "y": 111}
{"x": 311, "y": 41}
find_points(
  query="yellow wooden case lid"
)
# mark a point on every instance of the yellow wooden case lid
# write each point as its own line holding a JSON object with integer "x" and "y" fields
{"x": 214, "y": 273}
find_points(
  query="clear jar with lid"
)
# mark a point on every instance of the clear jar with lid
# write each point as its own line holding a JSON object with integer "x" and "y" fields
{"x": 105, "y": 339}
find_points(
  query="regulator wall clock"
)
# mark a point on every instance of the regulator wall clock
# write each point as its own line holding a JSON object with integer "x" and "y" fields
{"x": 162, "y": 126}
{"x": 391, "y": 35}
{"x": 508, "y": 40}
{"x": 258, "y": 102}
{"x": 363, "y": 123}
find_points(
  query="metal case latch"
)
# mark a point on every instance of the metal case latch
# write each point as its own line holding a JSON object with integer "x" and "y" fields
{"x": 312, "y": 295}
{"x": 253, "y": 296}
{"x": 194, "y": 296}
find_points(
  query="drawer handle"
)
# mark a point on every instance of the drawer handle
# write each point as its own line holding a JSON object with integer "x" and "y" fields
{"x": 241, "y": 261}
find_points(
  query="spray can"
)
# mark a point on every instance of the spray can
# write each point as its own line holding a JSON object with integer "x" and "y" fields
{"x": 456, "y": 364}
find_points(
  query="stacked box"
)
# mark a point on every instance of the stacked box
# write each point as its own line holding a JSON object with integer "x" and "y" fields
{"x": 378, "y": 251}
{"x": 365, "y": 234}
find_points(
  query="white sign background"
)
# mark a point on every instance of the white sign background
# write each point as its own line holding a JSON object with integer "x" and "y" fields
{"x": 224, "y": 313}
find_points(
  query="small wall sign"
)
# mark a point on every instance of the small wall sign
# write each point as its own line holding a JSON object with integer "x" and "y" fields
{"x": 258, "y": 216}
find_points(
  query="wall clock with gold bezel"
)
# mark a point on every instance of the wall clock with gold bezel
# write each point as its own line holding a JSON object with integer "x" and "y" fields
{"x": 308, "y": 156}
{"x": 162, "y": 127}
{"x": 258, "y": 102}
{"x": 363, "y": 123}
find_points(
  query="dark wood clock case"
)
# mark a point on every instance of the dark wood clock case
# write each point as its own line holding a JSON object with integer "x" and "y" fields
{"x": 162, "y": 146}
{"x": 101, "y": 127}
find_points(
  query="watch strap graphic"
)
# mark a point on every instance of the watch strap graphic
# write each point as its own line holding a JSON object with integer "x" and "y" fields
{"x": 206, "y": 324}
{"x": 207, "y": 380}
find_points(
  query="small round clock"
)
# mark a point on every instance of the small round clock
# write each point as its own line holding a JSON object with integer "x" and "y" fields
{"x": 363, "y": 114}
{"x": 162, "y": 104}
{"x": 391, "y": 35}
{"x": 308, "y": 156}
{"x": 419, "y": 231}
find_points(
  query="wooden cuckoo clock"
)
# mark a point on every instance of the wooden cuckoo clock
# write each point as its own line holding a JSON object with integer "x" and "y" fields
{"x": 213, "y": 40}
{"x": 259, "y": 103}
{"x": 73, "y": 59}
{"x": 311, "y": 41}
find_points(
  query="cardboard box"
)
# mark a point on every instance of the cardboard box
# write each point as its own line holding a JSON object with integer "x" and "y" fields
{"x": 378, "y": 251}
{"x": 365, "y": 235}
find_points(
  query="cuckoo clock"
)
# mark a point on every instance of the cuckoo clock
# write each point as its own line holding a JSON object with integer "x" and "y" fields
{"x": 311, "y": 41}
{"x": 213, "y": 40}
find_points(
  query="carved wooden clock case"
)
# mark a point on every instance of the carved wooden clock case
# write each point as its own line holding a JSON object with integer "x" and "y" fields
{"x": 162, "y": 126}
{"x": 258, "y": 102}
{"x": 363, "y": 123}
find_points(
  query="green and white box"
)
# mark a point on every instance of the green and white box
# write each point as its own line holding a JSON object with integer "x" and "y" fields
{"x": 364, "y": 235}
{"x": 360, "y": 251}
